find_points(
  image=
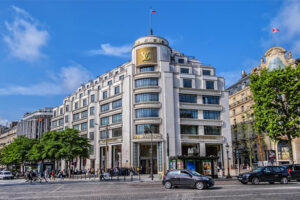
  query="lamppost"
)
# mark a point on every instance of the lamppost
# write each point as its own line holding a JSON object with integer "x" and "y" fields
{"x": 227, "y": 151}
{"x": 148, "y": 129}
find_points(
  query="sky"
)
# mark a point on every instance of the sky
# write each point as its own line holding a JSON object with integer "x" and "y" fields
{"x": 48, "y": 48}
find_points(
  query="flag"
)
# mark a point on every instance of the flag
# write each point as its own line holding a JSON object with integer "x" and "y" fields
{"x": 274, "y": 30}
{"x": 40, "y": 119}
{"x": 153, "y": 11}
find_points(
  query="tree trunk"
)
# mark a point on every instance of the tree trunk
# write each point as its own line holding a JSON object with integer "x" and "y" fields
{"x": 290, "y": 148}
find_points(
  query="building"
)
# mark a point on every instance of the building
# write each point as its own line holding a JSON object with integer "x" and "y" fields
{"x": 8, "y": 135}
{"x": 241, "y": 116}
{"x": 160, "y": 97}
{"x": 34, "y": 124}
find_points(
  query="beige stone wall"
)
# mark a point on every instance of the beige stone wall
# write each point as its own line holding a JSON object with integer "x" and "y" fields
{"x": 8, "y": 137}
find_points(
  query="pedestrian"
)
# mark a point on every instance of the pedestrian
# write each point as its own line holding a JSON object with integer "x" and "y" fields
{"x": 60, "y": 174}
{"x": 52, "y": 175}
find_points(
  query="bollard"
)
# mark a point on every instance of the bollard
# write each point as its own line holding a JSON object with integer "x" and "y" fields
{"x": 81, "y": 175}
{"x": 84, "y": 176}
{"x": 131, "y": 177}
{"x": 124, "y": 177}
{"x": 139, "y": 176}
{"x": 118, "y": 177}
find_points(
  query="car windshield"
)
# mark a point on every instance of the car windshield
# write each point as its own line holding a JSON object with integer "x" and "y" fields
{"x": 194, "y": 173}
{"x": 7, "y": 173}
{"x": 259, "y": 169}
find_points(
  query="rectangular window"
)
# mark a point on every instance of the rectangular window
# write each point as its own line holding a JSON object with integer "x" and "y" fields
{"x": 206, "y": 72}
{"x": 80, "y": 95}
{"x": 184, "y": 70}
{"x": 109, "y": 82}
{"x": 180, "y": 60}
{"x": 187, "y": 83}
{"x": 210, "y": 85}
{"x": 54, "y": 113}
{"x": 104, "y": 134}
{"x": 104, "y": 121}
{"x": 92, "y": 110}
{"x": 76, "y": 117}
{"x": 61, "y": 122}
{"x": 67, "y": 108}
{"x": 188, "y": 98}
{"x": 117, "y": 104}
{"x": 84, "y": 114}
{"x": 105, "y": 107}
{"x": 189, "y": 129}
{"x": 117, "y": 118}
{"x": 121, "y": 77}
{"x": 66, "y": 119}
{"x": 91, "y": 135}
{"x": 54, "y": 123}
{"x": 76, "y": 127}
{"x": 147, "y": 69}
{"x": 210, "y": 114}
{"x": 146, "y": 82}
{"x": 189, "y": 114}
{"x": 84, "y": 102}
{"x": 212, "y": 130}
{"x": 211, "y": 99}
{"x": 117, "y": 132}
{"x": 84, "y": 126}
{"x": 146, "y": 112}
{"x": 61, "y": 111}
{"x": 146, "y": 97}
{"x": 147, "y": 128}
{"x": 76, "y": 105}
{"x": 92, "y": 98}
{"x": 92, "y": 123}
{"x": 117, "y": 90}
{"x": 104, "y": 94}
{"x": 92, "y": 150}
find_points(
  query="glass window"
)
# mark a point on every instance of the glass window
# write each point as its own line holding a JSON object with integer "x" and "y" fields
{"x": 84, "y": 102}
{"x": 92, "y": 98}
{"x": 80, "y": 95}
{"x": 187, "y": 83}
{"x": 212, "y": 130}
{"x": 84, "y": 114}
{"x": 104, "y": 121}
{"x": 209, "y": 114}
{"x": 67, "y": 108}
{"x": 147, "y": 69}
{"x": 210, "y": 85}
{"x": 109, "y": 82}
{"x": 76, "y": 127}
{"x": 146, "y": 112}
{"x": 66, "y": 119}
{"x": 180, "y": 60}
{"x": 117, "y": 118}
{"x": 188, "y": 113}
{"x": 61, "y": 111}
{"x": 144, "y": 82}
{"x": 146, "y": 97}
{"x": 117, "y": 104}
{"x": 184, "y": 70}
{"x": 104, "y": 94}
{"x": 117, "y": 90}
{"x": 105, "y": 107}
{"x": 147, "y": 128}
{"x": 188, "y": 98}
{"x": 91, "y": 135}
{"x": 206, "y": 72}
{"x": 117, "y": 132}
{"x": 92, "y": 110}
{"x": 54, "y": 113}
{"x": 92, "y": 150}
{"x": 189, "y": 129}
{"x": 54, "y": 123}
{"x": 76, "y": 105}
{"x": 121, "y": 77}
{"x": 76, "y": 117}
{"x": 84, "y": 126}
{"x": 92, "y": 123}
{"x": 61, "y": 122}
{"x": 99, "y": 87}
{"x": 211, "y": 100}
{"x": 89, "y": 91}
{"x": 117, "y": 72}
{"x": 104, "y": 134}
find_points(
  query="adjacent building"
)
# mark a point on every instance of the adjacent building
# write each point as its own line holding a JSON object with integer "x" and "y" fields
{"x": 161, "y": 98}
{"x": 8, "y": 134}
{"x": 244, "y": 139}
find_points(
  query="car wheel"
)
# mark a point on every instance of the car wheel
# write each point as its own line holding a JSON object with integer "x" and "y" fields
{"x": 271, "y": 182}
{"x": 284, "y": 180}
{"x": 168, "y": 185}
{"x": 199, "y": 185}
{"x": 255, "y": 181}
{"x": 245, "y": 183}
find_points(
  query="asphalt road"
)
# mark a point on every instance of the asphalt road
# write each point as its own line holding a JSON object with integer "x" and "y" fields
{"x": 144, "y": 190}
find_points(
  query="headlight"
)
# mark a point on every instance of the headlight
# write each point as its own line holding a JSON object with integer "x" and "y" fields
{"x": 205, "y": 178}
{"x": 246, "y": 175}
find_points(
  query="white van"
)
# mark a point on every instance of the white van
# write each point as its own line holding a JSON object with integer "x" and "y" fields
{"x": 6, "y": 175}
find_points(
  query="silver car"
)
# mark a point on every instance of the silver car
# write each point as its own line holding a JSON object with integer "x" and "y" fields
{"x": 6, "y": 175}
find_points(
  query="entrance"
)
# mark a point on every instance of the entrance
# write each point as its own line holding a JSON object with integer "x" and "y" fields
{"x": 146, "y": 166}
{"x": 145, "y": 158}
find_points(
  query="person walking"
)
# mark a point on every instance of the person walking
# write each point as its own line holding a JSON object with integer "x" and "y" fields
{"x": 52, "y": 175}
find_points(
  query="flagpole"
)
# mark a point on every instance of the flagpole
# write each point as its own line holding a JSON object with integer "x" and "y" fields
{"x": 151, "y": 32}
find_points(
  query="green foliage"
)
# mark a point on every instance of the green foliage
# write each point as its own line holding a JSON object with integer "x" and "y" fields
{"x": 276, "y": 95}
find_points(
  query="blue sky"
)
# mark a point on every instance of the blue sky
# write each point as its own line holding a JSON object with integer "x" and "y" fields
{"x": 48, "y": 49}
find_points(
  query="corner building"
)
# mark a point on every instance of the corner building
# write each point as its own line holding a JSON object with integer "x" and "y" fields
{"x": 162, "y": 96}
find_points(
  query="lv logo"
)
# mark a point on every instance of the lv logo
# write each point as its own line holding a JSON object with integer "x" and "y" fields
{"x": 146, "y": 55}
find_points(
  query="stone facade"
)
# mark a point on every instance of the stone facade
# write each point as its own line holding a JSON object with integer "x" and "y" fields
{"x": 161, "y": 97}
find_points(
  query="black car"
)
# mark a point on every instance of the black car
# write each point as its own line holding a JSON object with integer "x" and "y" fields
{"x": 294, "y": 170}
{"x": 269, "y": 174}
{"x": 186, "y": 178}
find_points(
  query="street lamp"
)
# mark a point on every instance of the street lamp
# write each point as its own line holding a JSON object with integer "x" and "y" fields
{"x": 227, "y": 151}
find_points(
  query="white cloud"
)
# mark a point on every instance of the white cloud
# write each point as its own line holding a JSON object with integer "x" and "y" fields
{"x": 109, "y": 50}
{"x": 65, "y": 82}
{"x": 25, "y": 37}
{"x": 3, "y": 122}
{"x": 287, "y": 20}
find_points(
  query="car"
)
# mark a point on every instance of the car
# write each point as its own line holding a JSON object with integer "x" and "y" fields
{"x": 186, "y": 178}
{"x": 294, "y": 170}
{"x": 6, "y": 175}
{"x": 269, "y": 174}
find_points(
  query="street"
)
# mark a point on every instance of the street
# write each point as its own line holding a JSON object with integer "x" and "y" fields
{"x": 79, "y": 189}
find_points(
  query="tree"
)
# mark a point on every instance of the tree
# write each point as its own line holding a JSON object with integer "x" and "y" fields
{"x": 276, "y": 95}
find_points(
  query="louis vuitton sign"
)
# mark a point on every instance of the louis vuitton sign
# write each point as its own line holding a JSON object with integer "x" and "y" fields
{"x": 146, "y": 55}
